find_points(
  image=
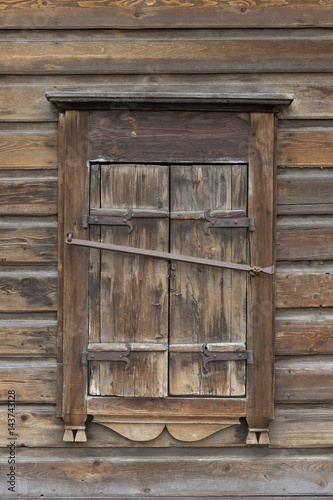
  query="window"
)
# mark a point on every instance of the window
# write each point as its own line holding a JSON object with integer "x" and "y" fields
{"x": 182, "y": 338}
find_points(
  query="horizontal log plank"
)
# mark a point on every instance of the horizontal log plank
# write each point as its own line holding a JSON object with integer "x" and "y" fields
{"x": 21, "y": 336}
{"x": 316, "y": 497}
{"x": 181, "y": 473}
{"x": 304, "y": 379}
{"x": 130, "y": 136}
{"x": 25, "y": 95}
{"x": 304, "y": 286}
{"x": 18, "y": 194}
{"x": 28, "y": 240}
{"x": 33, "y": 382}
{"x": 307, "y": 148}
{"x": 23, "y": 150}
{"x": 28, "y": 289}
{"x": 302, "y": 426}
{"x": 71, "y": 14}
{"x": 304, "y": 238}
{"x": 38, "y": 425}
{"x": 219, "y": 51}
{"x": 35, "y": 289}
{"x": 296, "y": 243}
{"x": 170, "y": 407}
{"x": 294, "y": 426}
{"x": 297, "y": 186}
{"x": 304, "y": 331}
{"x": 314, "y": 209}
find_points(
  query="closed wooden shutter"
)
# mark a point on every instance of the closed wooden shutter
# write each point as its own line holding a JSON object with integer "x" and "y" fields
{"x": 133, "y": 289}
{"x": 207, "y": 306}
{"x": 167, "y": 322}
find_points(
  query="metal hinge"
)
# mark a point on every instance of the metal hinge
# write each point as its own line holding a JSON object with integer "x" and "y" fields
{"x": 107, "y": 220}
{"x": 107, "y": 356}
{"x": 226, "y": 356}
{"x": 230, "y": 222}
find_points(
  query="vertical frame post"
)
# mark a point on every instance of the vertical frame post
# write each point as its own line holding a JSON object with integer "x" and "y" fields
{"x": 75, "y": 278}
{"x": 261, "y": 205}
{"x": 61, "y": 166}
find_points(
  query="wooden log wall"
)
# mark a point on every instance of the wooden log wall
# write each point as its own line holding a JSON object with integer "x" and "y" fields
{"x": 246, "y": 46}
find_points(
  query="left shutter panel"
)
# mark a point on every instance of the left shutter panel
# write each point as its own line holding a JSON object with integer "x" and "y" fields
{"x": 133, "y": 303}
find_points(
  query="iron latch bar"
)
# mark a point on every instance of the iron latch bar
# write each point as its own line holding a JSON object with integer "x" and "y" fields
{"x": 226, "y": 356}
{"x": 228, "y": 222}
{"x": 107, "y": 356}
{"x": 168, "y": 256}
{"x": 107, "y": 220}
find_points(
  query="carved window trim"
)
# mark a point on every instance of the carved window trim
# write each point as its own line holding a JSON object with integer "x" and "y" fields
{"x": 73, "y": 403}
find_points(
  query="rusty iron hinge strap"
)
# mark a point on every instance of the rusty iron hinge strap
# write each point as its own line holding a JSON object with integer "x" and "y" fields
{"x": 226, "y": 356}
{"x": 169, "y": 256}
{"x": 108, "y": 220}
{"x": 107, "y": 356}
{"x": 228, "y": 222}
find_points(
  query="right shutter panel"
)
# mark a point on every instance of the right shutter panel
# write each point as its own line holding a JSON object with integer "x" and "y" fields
{"x": 208, "y": 305}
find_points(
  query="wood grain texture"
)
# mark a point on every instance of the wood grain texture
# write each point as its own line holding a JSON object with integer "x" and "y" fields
{"x": 260, "y": 301}
{"x": 28, "y": 289}
{"x": 32, "y": 381}
{"x": 304, "y": 379}
{"x": 218, "y": 51}
{"x": 302, "y": 426}
{"x": 27, "y": 150}
{"x": 94, "y": 278}
{"x": 205, "y": 305}
{"x": 305, "y": 148}
{"x": 24, "y": 95}
{"x": 166, "y": 407}
{"x": 294, "y": 426}
{"x": 69, "y": 14}
{"x": 187, "y": 376}
{"x": 299, "y": 187}
{"x": 18, "y": 194}
{"x": 308, "y": 285}
{"x": 146, "y": 376}
{"x": 134, "y": 291}
{"x": 304, "y": 331}
{"x": 168, "y": 136}
{"x": 60, "y": 311}
{"x": 28, "y": 240}
{"x": 75, "y": 153}
{"x": 307, "y": 238}
{"x": 186, "y": 473}
{"x": 39, "y": 424}
{"x": 26, "y": 335}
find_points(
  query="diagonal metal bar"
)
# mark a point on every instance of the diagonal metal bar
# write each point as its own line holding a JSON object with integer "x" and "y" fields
{"x": 168, "y": 256}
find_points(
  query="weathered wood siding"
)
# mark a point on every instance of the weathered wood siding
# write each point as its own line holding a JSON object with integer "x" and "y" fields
{"x": 67, "y": 45}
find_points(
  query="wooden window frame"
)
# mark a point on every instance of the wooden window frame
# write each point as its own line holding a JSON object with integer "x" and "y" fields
{"x": 73, "y": 403}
